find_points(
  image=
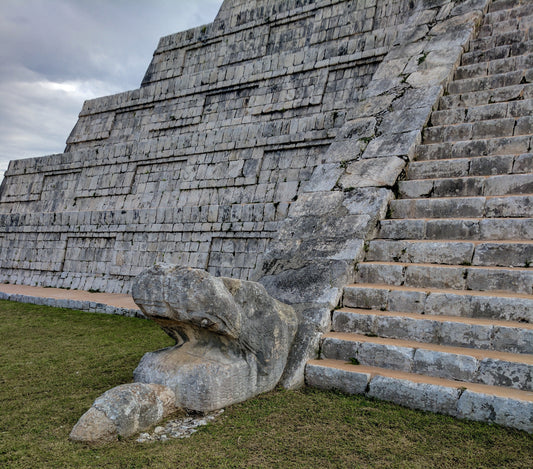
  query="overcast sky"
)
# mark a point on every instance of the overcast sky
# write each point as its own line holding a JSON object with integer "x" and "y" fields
{"x": 54, "y": 54}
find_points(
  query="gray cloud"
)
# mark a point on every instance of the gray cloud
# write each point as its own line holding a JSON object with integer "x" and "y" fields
{"x": 54, "y": 54}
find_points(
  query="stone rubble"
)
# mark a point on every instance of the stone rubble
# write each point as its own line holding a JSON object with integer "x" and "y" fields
{"x": 179, "y": 428}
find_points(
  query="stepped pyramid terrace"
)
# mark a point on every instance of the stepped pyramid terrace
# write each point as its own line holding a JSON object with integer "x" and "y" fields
{"x": 363, "y": 168}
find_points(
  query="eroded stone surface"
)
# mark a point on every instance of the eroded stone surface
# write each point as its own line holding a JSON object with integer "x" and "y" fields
{"x": 232, "y": 338}
{"x": 124, "y": 411}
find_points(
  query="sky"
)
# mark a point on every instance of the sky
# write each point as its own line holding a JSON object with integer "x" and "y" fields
{"x": 55, "y": 54}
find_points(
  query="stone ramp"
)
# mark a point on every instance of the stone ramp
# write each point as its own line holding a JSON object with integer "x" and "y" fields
{"x": 94, "y": 302}
{"x": 440, "y": 317}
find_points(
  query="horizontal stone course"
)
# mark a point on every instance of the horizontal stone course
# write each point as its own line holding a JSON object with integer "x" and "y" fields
{"x": 457, "y": 363}
{"x": 475, "y": 166}
{"x": 472, "y": 229}
{"x": 447, "y": 302}
{"x": 471, "y": 186}
{"x": 505, "y": 336}
{"x": 513, "y": 280}
{"x": 464, "y": 207}
{"x": 472, "y": 402}
{"x": 484, "y": 97}
{"x": 80, "y": 305}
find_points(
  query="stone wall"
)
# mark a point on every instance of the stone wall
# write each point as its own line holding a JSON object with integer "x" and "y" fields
{"x": 234, "y": 121}
{"x": 263, "y": 146}
{"x": 200, "y": 165}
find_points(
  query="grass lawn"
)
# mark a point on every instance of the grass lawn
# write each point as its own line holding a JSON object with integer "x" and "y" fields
{"x": 55, "y": 362}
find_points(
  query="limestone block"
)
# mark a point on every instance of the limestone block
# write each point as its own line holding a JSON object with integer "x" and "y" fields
{"x": 371, "y": 107}
{"x": 316, "y": 203}
{"x": 503, "y": 373}
{"x": 397, "y": 144}
{"x": 344, "y": 150}
{"x": 379, "y": 87}
{"x": 406, "y": 328}
{"x": 376, "y": 172}
{"x": 513, "y": 340}
{"x": 444, "y": 365}
{"x": 324, "y": 178}
{"x": 339, "y": 349}
{"x": 320, "y": 281}
{"x": 324, "y": 377}
{"x": 421, "y": 396}
{"x": 384, "y": 274}
{"x": 386, "y": 356}
{"x": 433, "y": 76}
{"x": 413, "y": 301}
{"x": 489, "y": 408}
{"x": 460, "y": 334}
{"x": 405, "y": 120}
{"x": 356, "y": 323}
{"x": 313, "y": 321}
{"x": 366, "y": 298}
{"x": 371, "y": 201}
{"x": 232, "y": 338}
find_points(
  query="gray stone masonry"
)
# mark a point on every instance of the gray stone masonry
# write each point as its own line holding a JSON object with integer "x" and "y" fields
{"x": 233, "y": 122}
{"x": 440, "y": 314}
{"x": 263, "y": 146}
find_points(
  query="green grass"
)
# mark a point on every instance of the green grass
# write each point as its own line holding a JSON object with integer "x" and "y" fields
{"x": 55, "y": 362}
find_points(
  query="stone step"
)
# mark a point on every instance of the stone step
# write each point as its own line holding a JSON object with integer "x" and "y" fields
{"x": 497, "y": 253}
{"x": 501, "y": 20}
{"x": 458, "y": 277}
{"x": 512, "y": 206}
{"x": 503, "y": 336}
{"x": 475, "y": 166}
{"x": 472, "y": 229}
{"x": 470, "y": 186}
{"x": 505, "y": 7}
{"x": 490, "y": 82}
{"x": 488, "y": 367}
{"x": 479, "y": 98}
{"x": 499, "y": 405}
{"x": 475, "y": 130}
{"x": 516, "y": 307}
{"x": 500, "y": 52}
{"x": 486, "y": 112}
{"x": 508, "y": 33}
{"x": 493, "y": 67}
{"x": 474, "y": 148}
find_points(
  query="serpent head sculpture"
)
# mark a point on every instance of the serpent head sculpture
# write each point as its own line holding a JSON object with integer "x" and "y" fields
{"x": 232, "y": 338}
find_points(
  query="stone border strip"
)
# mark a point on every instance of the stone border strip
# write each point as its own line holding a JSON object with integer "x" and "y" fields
{"x": 71, "y": 303}
{"x": 457, "y": 399}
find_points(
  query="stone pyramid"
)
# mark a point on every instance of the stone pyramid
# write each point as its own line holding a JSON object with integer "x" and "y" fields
{"x": 270, "y": 146}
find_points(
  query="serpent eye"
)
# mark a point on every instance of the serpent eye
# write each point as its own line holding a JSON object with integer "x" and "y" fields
{"x": 206, "y": 323}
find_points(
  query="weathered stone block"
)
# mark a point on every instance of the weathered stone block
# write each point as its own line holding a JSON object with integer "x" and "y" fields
{"x": 500, "y": 410}
{"x": 378, "y": 172}
{"x": 324, "y": 377}
{"x": 421, "y": 396}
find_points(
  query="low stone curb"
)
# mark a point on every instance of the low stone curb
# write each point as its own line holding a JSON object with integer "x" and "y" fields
{"x": 87, "y": 306}
{"x": 458, "y": 402}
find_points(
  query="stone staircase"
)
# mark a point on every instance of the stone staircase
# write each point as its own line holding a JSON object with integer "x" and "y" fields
{"x": 441, "y": 315}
